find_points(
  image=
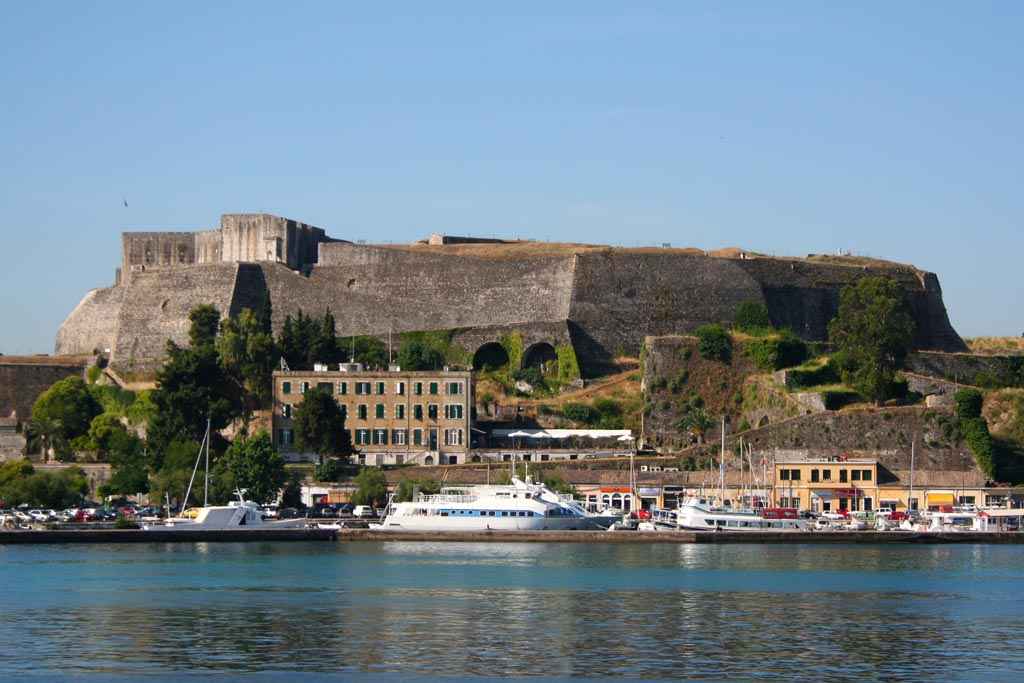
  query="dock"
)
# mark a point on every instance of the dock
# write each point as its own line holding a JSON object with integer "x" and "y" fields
{"x": 816, "y": 537}
{"x": 61, "y": 536}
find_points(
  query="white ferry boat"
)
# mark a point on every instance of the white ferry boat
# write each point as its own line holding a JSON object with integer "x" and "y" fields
{"x": 697, "y": 514}
{"x": 519, "y": 506}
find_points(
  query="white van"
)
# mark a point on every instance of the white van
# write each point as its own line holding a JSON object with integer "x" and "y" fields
{"x": 364, "y": 511}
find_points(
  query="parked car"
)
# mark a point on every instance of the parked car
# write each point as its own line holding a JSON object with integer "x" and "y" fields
{"x": 288, "y": 513}
{"x": 346, "y": 508}
{"x": 364, "y": 511}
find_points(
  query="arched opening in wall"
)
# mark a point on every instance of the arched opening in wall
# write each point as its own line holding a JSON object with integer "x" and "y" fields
{"x": 490, "y": 356}
{"x": 541, "y": 356}
{"x": 763, "y": 422}
{"x": 429, "y": 460}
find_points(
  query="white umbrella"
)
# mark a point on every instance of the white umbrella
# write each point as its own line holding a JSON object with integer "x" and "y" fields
{"x": 625, "y": 437}
{"x": 519, "y": 435}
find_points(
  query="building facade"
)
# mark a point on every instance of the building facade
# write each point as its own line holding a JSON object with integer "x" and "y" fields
{"x": 393, "y": 417}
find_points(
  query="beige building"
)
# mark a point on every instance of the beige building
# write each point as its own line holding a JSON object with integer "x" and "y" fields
{"x": 393, "y": 417}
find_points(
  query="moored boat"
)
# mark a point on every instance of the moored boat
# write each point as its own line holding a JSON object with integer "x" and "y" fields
{"x": 698, "y": 514}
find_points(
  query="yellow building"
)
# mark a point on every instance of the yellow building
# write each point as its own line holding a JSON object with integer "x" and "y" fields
{"x": 827, "y": 485}
{"x": 393, "y": 417}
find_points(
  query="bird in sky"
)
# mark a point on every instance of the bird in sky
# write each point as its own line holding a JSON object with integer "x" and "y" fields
{"x": 125, "y": 202}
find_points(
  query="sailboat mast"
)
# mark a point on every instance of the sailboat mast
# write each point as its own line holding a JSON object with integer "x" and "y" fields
{"x": 910, "y": 496}
{"x": 206, "y": 484}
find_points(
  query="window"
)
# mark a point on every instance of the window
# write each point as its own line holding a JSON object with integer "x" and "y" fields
{"x": 280, "y": 437}
{"x": 855, "y": 474}
{"x": 379, "y": 411}
{"x": 814, "y": 475}
{"x": 344, "y": 410}
{"x": 433, "y": 388}
{"x": 286, "y": 411}
{"x": 286, "y": 387}
{"x": 398, "y": 437}
{"x": 362, "y": 437}
{"x": 826, "y": 475}
{"x": 362, "y": 388}
{"x": 304, "y": 388}
{"x": 866, "y": 475}
{"x": 453, "y": 437}
{"x": 380, "y": 437}
{"x": 453, "y": 411}
{"x": 417, "y": 412}
{"x": 432, "y": 411}
{"x": 417, "y": 437}
{"x": 326, "y": 387}
{"x": 417, "y": 388}
{"x": 867, "y": 505}
{"x": 454, "y": 388}
{"x": 400, "y": 388}
{"x": 842, "y": 476}
{"x": 380, "y": 388}
{"x": 784, "y": 475}
{"x": 361, "y": 413}
{"x": 794, "y": 475}
{"x": 400, "y": 411}
{"x": 342, "y": 388}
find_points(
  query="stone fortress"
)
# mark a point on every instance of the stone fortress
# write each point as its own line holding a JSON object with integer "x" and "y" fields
{"x": 601, "y": 300}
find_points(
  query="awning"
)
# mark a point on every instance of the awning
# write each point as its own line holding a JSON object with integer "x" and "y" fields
{"x": 940, "y": 499}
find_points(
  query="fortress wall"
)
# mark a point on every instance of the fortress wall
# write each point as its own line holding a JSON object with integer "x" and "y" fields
{"x": 22, "y": 383}
{"x": 156, "y": 307}
{"x": 154, "y": 249}
{"x": 258, "y": 237}
{"x": 804, "y": 296}
{"x": 556, "y": 334}
{"x": 620, "y": 297}
{"x": 373, "y": 289}
{"x": 93, "y": 323}
{"x": 207, "y": 249}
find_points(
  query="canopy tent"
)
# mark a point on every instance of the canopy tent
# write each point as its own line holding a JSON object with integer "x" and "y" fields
{"x": 563, "y": 433}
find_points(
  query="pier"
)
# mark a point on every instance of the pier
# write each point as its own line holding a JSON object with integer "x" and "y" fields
{"x": 165, "y": 536}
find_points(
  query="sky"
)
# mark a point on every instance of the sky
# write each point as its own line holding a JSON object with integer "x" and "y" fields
{"x": 885, "y": 129}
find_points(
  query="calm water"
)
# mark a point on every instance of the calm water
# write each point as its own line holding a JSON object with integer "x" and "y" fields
{"x": 440, "y": 609}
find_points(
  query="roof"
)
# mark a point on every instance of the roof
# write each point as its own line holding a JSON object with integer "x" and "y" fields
{"x": 561, "y": 433}
{"x": 44, "y": 359}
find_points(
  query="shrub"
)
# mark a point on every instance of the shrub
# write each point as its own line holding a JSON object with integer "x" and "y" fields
{"x": 531, "y": 375}
{"x": 752, "y": 318}
{"x": 714, "y": 343}
{"x": 968, "y": 404}
{"x": 802, "y": 378}
{"x": 775, "y": 353}
{"x": 679, "y": 381}
{"x": 578, "y": 412}
{"x": 332, "y": 469}
{"x": 834, "y": 399}
{"x": 976, "y": 434}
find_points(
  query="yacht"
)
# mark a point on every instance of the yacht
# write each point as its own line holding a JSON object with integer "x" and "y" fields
{"x": 240, "y": 515}
{"x": 520, "y": 506}
{"x": 698, "y": 514}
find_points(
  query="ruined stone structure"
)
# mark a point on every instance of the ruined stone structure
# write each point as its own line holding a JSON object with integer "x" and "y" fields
{"x": 600, "y": 300}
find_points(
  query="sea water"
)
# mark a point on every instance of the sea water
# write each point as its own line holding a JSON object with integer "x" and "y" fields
{"x": 430, "y": 609}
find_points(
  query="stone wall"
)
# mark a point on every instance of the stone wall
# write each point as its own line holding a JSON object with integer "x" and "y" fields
{"x": 968, "y": 368}
{"x": 155, "y": 308}
{"x": 92, "y": 325}
{"x": 23, "y": 380}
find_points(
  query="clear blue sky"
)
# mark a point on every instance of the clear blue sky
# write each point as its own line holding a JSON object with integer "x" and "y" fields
{"x": 889, "y": 129}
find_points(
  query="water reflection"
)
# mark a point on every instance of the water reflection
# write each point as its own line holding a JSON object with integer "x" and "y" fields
{"x": 521, "y": 609}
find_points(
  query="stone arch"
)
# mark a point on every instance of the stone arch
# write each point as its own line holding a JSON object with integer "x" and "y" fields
{"x": 491, "y": 355}
{"x": 764, "y": 421}
{"x": 540, "y": 355}
{"x": 429, "y": 460}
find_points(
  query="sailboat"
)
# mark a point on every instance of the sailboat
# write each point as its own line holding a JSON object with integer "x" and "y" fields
{"x": 237, "y": 515}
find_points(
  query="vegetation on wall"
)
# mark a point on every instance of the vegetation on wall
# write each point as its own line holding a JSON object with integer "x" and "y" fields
{"x": 752, "y": 318}
{"x": 776, "y": 351}
{"x": 513, "y": 345}
{"x": 714, "y": 343}
{"x": 872, "y": 333}
{"x": 568, "y": 363}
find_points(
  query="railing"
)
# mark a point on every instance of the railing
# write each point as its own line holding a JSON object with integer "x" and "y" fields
{"x": 445, "y": 498}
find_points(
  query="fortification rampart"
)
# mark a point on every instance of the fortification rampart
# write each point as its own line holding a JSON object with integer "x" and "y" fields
{"x": 23, "y": 379}
{"x": 606, "y": 299}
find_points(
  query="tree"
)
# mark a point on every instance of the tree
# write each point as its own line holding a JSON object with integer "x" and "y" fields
{"x": 299, "y": 336}
{"x": 64, "y": 412}
{"x": 324, "y": 346}
{"x": 129, "y": 467}
{"x": 872, "y": 333}
{"x": 752, "y": 318}
{"x": 20, "y": 483}
{"x": 252, "y": 464}
{"x": 248, "y": 355}
{"x": 171, "y": 479}
{"x": 714, "y": 343}
{"x": 415, "y": 355}
{"x": 320, "y": 426}
{"x": 371, "y": 487}
{"x": 369, "y": 351}
{"x": 407, "y": 487}
{"x": 291, "y": 494}
{"x": 205, "y": 320}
